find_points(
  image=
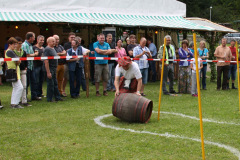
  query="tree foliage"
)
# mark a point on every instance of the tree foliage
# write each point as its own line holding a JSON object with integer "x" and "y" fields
{"x": 223, "y": 11}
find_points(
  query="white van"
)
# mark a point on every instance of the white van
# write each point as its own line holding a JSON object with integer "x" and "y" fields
{"x": 230, "y": 36}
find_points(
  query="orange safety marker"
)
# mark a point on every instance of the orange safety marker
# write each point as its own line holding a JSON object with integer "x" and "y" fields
{"x": 160, "y": 91}
{"x": 199, "y": 95}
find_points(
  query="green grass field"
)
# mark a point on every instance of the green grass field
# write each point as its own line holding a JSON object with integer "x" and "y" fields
{"x": 67, "y": 130}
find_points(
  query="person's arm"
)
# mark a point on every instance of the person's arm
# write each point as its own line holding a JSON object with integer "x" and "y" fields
{"x": 149, "y": 54}
{"x": 49, "y": 75}
{"x": 63, "y": 53}
{"x": 139, "y": 86}
{"x": 191, "y": 66}
{"x": 130, "y": 53}
{"x": 72, "y": 59}
{"x": 181, "y": 55}
{"x": 30, "y": 55}
{"x": 201, "y": 65}
{"x": 216, "y": 54}
{"x": 116, "y": 84}
{"x": 104, "y": 52}
{"x": 139, "y": 55}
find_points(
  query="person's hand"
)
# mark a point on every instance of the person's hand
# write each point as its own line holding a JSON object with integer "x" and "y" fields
{"x": 188, "y": 56}
{"x": 92, "y": 52}
{"x": 64, "y": 53}
{"x": 36, "y": 53}
{"x": 143, "y": 52}
{"x": 117, "y": 93}
{"x": 49, "y": 75}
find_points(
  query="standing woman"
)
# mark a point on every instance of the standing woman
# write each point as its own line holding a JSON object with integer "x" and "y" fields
{"x": 17, "y": 86}
{"x": 23, "y": 70}
{"x": 203, "y": 54}
{"x": 121, "y": 52}
{"x": 184, "y": 78}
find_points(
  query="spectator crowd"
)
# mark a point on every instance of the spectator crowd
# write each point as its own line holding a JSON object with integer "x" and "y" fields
{"x": 119, "y": 76}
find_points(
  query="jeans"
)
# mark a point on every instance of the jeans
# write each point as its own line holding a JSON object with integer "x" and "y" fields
{"x": 83, "y": 81}
{"x": 152, "y": 67}
{"x": 222, "y": 70}
{"x": 204, "y": 72}
{"x": 39, "y": 79}
{"x": 52, "y": 86}
{"x": 111, "y": 74}
{"x": 31, "y": 80}
{"x": 75, "y": 75}
{"x": 144, "y": 73}
{"x": 168, "y": 73}
{"x": 232, "y": 72}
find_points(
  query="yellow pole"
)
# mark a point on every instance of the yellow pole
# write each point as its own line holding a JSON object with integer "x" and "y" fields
{"x": 199, "y": 95}
{"x": 238, "y": 73}
{"x": 160, "y": 91}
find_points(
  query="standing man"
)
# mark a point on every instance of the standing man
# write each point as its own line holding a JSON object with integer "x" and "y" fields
{"x": 223, "y": 53}
{"x": 75, "y": 66}
{"x": 111, "y": 65}
{"x": 51, "y": 69}
{"x": 71, "y": 37}
{"x": 131, "y": 46}
{"x": 141, "y": 51}
{"x": 233, "y": 66}
{"x": 102, "y": 49}
{"x": 168, "y": 65}
{"x": 38, "y": 65}
{"x": 61, "y": 62}
{"x": 152, "y": 64}
{"x": 31, "y": 79}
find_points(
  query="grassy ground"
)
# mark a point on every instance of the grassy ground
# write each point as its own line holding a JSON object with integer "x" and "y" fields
{"x": 66, "y": 130}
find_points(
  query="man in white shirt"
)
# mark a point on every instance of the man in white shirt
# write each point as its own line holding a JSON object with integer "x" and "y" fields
{"x": 131, "y": 81}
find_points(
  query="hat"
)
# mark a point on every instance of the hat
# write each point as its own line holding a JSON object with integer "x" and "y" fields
{"x": 124, "y": 61}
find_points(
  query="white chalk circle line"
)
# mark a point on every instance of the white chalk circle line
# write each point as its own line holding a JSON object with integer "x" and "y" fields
{"x": 98, "y": 121}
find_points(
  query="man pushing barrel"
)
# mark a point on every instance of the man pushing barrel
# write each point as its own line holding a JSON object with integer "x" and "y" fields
{"x": 131, "y": 81}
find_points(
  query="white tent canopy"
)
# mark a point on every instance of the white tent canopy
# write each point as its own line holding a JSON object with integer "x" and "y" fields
{"x": 129, "y": 7}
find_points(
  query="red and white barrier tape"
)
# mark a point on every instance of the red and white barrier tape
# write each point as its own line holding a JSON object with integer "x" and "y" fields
{"x": 99, "y": 58}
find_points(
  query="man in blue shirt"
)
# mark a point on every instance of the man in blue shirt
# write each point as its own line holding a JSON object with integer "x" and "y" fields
{"x": 142, "y": 52}
{"x": 102, "y": 49}
{"x": 152, "y": 64}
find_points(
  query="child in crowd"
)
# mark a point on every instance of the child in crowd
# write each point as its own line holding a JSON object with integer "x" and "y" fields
{"x": 194, "y": 79}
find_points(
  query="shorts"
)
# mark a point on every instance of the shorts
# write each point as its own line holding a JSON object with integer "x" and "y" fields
{"x": 101, "y": 71}
{"x": 144, "y": 73}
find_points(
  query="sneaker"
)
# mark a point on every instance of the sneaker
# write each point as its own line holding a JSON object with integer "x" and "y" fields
{"x": 193, "y": 95}
{"x": 166, "y": 93}
{"x": 105, "y": 93}
{"x": 98, "y": 94}
{"x": 196, "y": 95}
{"x": 26, "y": 104}
{"x": 60, "y": 99}
{"x": 1, "y": 107}
{"x": 142, "y": 94}
{"x": 234, "y": 87}
{"x": 173, "y": 92}
{"x": 16, "y": 106}
{"x": 37, "y": 99}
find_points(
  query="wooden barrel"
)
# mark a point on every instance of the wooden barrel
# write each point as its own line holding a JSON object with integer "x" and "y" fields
{"x": 132, "y": 108}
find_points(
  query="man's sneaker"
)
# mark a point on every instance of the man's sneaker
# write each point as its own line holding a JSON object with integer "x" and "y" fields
{"x": 173, "y": 92}
{"x": 194, "y": 95}
{"x": 166, "y": 93}
{"x": 26, "y": 104}
{"x": 1, "y": 107}
{"x": 59, "y": 99}
{"x": 142, "y": 94}
{"x": 37, "y": 98}
{"x": 16, "y": 107}
{"x": 105, "y": 93}
{"x": 98, "y": 94}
